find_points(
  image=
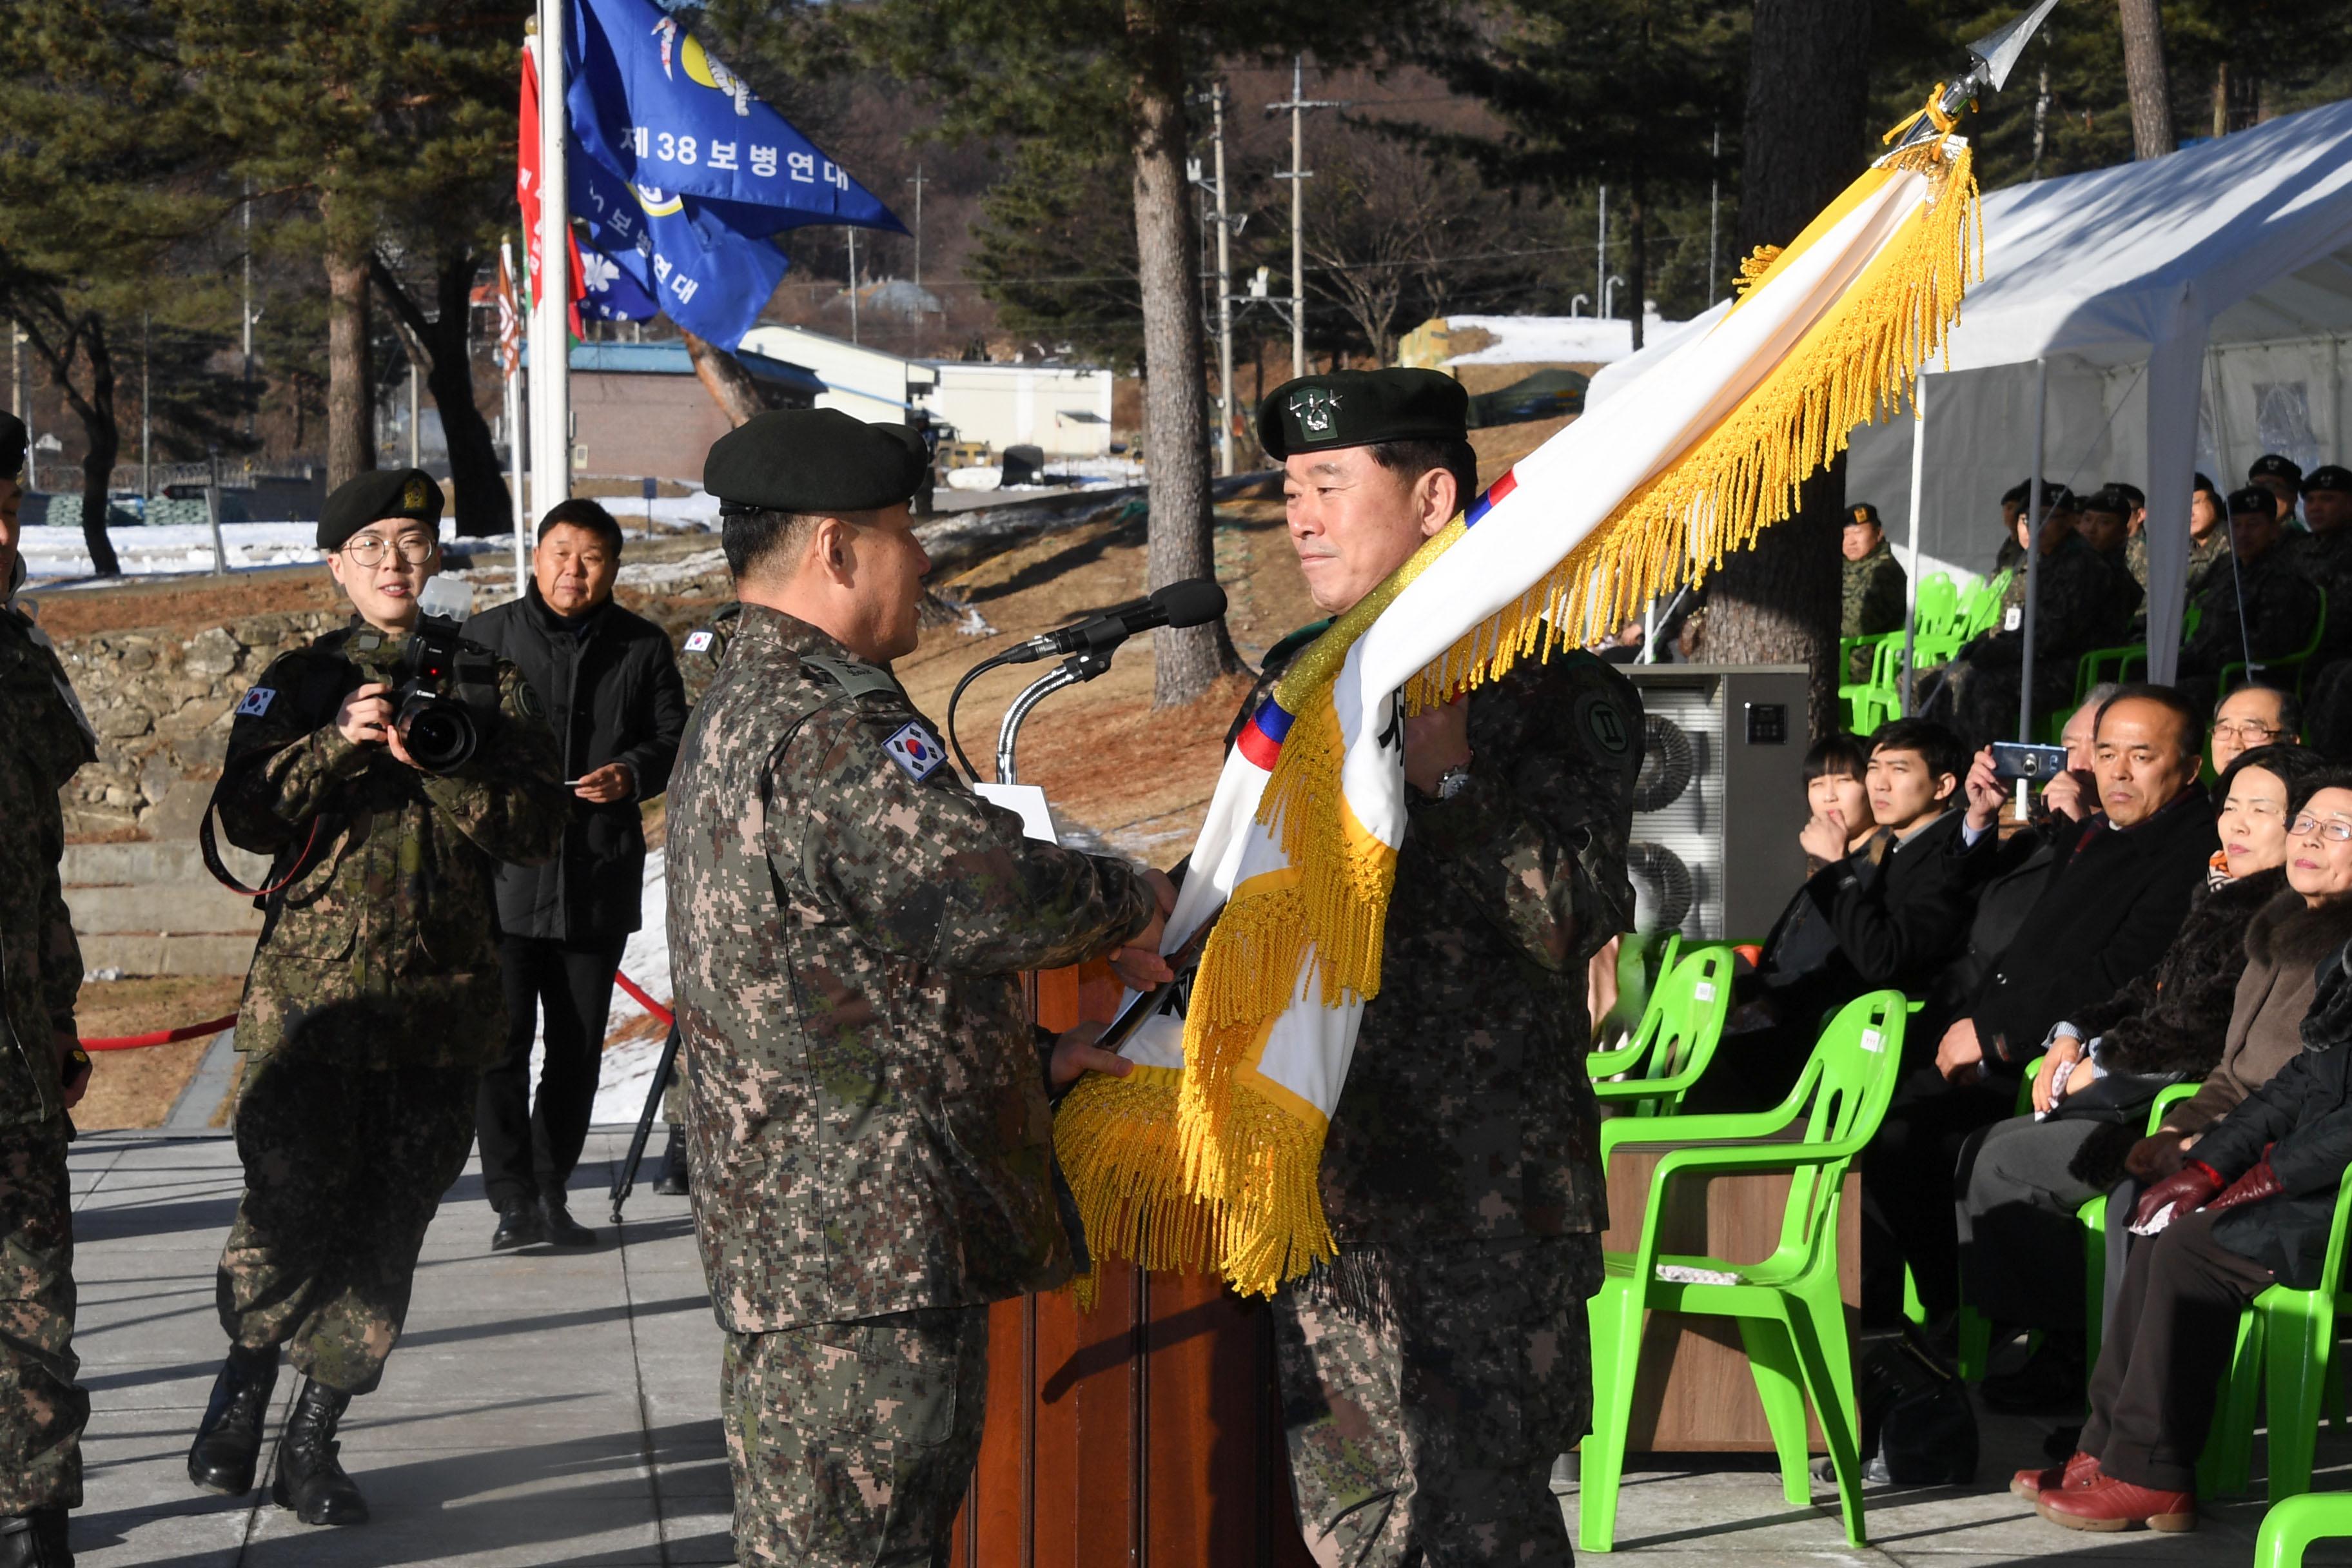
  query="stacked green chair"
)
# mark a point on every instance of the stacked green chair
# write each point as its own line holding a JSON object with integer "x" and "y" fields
{"x": 2289, "y": 1335}
{"x": 2292, "y": 1525}
{"x": 2234, "y": 675}
{"x": 1677, "y": 1038}
{"x": 1877, "y": 697}
{"x": 1792, "y": 1317}
{"x": 1983, "y": 609}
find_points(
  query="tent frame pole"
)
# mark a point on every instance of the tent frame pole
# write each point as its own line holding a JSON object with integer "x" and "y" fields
{"x": 2033, "y": 547}
{"x": 1911, "y": 581}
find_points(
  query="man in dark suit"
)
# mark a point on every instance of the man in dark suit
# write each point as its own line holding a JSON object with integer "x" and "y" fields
{"x": 611, "y": 691}
{"x": 2116, "y": 891}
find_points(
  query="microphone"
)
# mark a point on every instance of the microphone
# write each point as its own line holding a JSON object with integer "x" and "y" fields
{"x": 1193, "y": 602}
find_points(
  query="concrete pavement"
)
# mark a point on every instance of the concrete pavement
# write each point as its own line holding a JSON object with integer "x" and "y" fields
{"x": 562, "y": 1409}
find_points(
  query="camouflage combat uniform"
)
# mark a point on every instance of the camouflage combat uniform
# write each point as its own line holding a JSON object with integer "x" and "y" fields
{"x": 870, "y": 1143}
{"x": 374, "y": 1002}
{"x": 42, "y": 742}
{"x": 2202, "y": 553}
{"x": 2326, "y": 560}
{"x": 1431, "y": 1377}
{"x": 2269, "y": 606}
{"x": 1873, "y": 601}
{"x": 2079, "y": 607}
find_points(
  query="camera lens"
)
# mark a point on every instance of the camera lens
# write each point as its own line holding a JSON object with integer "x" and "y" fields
{"x": 438, "y": 733}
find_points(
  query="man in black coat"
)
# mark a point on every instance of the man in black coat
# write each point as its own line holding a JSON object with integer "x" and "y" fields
{"x": 2255, "y": 1207}
{"x": 611, "y": 692}
{"x": 2115, "y": 892}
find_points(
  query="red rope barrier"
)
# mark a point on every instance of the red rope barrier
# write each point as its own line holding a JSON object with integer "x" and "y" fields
{"x": 638, "y": 994}
{"x": 160, "y": 1036}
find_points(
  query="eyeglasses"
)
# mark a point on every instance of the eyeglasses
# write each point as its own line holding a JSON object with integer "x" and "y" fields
{"x": 367, "y": 550}
{"x": 2247, "y": 728}
{"x": 2334, "y": 832}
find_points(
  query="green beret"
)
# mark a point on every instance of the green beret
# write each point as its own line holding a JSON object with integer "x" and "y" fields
{"x": 375, "y": 498}
{"x": 816, "y": 461}
{"x": 1359, "y": 407}
{"x": 14, "y": 437}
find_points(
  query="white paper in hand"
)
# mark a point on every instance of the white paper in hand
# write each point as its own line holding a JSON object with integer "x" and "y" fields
{"x": 2156, "y": 1222}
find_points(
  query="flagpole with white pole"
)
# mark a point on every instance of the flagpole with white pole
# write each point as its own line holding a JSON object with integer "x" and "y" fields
{"x": 511, "y": 364}
{"x": 551, "y": 292}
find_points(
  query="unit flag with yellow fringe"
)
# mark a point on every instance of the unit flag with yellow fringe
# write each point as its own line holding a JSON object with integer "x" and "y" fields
{"x": 1206, "y": 1155}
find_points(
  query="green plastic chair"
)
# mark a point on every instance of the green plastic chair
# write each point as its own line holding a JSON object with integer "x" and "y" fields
{"x": 2299, "y": 661}
{"x": 1986, "y": 609}
{"x": 1877, "y": 699}
{"x": 1681, "y": 1025}
{"x": 2294, "y": 1523}
{"x": 1976, "y": 1334}
{"x": 2291, "y": 1336}
{"x": 1792, "y": 1318}
{"x": 1938, "y": 607}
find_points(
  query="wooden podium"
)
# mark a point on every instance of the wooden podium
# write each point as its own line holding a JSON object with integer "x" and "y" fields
{"x": 1147, "y": 1433}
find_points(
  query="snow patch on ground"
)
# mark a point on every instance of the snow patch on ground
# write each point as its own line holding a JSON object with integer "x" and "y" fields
{"x": 1553, "y": 340}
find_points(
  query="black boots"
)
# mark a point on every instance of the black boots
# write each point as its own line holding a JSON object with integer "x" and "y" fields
{"x": 562, "y": 1228}
{"x": 228, "y": 1442}
{"x": 35, "y": 1539}
{"x": 521, "y": 1224}
{"x": 671, "y": 1183}
{"x": 309, "y": 1480}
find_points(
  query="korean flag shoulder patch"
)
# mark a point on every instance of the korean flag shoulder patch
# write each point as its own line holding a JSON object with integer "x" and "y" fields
{"x": 697, "y": 641}
{"x": 914, "y": 751}
{"x": 255, "y": 703}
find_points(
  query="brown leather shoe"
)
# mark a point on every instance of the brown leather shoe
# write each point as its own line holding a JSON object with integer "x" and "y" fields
{"x": 2078, "y": 1471}
{"x": 2110, "y": 1504}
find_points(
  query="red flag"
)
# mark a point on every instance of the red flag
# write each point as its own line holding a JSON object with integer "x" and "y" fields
{"x": 527, "y": 187}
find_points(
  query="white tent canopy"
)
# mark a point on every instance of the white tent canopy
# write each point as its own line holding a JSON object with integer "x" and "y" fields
{"x": 2193, "y": 310}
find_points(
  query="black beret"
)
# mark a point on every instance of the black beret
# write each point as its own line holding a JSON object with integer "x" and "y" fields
{"x": 2253, "y": 498}
{"x": 2060, "y": 499}
{"x": 1359, "y": 407}
{"x": 2201, "y": 483}
{"x": 2131, "y": 495}
{"x": 1862, "y": 512}
{"x": 375, "y": 496}
{"x": 14, "y": 437}
{"x": 2271, "y": 466}
{"x": 814, "y": 460}
{"x": 2116, "y": 498}
{"x": 2330, "y": 476}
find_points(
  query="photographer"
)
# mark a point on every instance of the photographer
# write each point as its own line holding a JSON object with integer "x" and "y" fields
{"x": 374, "y": 1002}
{"x": 618, "y": 707}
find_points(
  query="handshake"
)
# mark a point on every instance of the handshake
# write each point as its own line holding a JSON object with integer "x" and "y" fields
{"x": 1139, "y": 967}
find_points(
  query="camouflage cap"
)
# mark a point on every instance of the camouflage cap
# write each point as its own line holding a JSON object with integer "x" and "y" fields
{"x": 816, "y": 461}
{"x": 1359, "y": 407}
{"x": 14, "y": 438}
{"x": 374, "y": 498}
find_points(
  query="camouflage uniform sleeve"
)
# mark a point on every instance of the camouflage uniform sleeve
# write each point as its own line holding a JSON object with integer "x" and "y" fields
{"x": 509, "y": 798}
{"x": 2282, "y": 613}
{"x": 1883, "y": 606}
{"x": 60, "y": 954}
{"x": 286, "y": 763}
{"x": 1538, "y": 834}
{"x": 926, "y": 870}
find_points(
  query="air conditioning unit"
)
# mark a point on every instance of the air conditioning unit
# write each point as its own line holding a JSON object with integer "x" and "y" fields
{"x": 1719, "y": 799}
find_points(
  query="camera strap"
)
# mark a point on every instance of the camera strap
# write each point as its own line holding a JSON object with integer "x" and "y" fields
{"x": 210, "y": 849}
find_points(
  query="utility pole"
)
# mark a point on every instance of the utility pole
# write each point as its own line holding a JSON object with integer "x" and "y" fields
{"x": 853, "y": 283}
{"x": 918, "y": 182}
{"x": 1714, "y": 205}
{"x": 146, "y": 421}
{"x": 246, "y": 383}
{"x": 1600, "y": 267}
{"x": 1298, "y": 105}
{"x": 20, "y": 403}
{"x": 2041, "y": 114}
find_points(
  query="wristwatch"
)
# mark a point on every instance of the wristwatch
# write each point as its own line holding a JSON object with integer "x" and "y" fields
{"x": 1453, "y": 781}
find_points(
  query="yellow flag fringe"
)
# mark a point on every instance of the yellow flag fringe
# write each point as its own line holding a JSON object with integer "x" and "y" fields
{"x": 1214, "y": 1167}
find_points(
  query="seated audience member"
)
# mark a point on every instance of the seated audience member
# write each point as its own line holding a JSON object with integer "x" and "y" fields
{"x": 2077, "y": 608}
{"x": 2106, "y": 526}
{"x": 2282, "y": 478}
{"x": 2013, "y": 504}
{"x": 2113, "y": 894}
{"x": 2252, "y": 1209}
{"x": 2021, "y": 1245}
{"x": 2325, "y": 555}
{"x": 1884, "y": 906}
{"x": 2258, "y": 607}
{"x": 2253, "y": 716}
{"x": 2208, "y": 540}
{"x": 1875, "y": 585}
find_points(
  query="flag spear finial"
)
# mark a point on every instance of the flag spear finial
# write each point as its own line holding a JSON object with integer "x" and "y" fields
{"x": 1995, "y": 55}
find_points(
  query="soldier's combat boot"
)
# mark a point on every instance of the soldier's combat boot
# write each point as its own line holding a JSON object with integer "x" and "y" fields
{"x": 671, "y": 1183}
{"x": 228, "y": 1442}
{"x": 520, "y": 1224}
{"x": 35, "y": 1539}
{"x": 311, "y": 1479}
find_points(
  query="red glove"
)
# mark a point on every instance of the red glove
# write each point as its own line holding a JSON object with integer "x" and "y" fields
{"x": 2185, "y": 1190}
{"x": 2260, "y": 1182}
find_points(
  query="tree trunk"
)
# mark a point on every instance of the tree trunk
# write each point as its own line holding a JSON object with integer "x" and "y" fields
{"x": 1180, "y": 542}
{"x": 723, "y": 376}
{"x": 104, "y": 437}
{"x": 1778, "y": 601}
{"x": 1637, "y": 273}
{"x": 477, "y": 477}
{"x": 2151, "y": 90}
{"x": 351, "y": 384}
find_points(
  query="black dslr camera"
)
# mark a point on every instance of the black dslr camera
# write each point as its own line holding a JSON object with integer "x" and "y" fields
{"x": 444, "y": 694}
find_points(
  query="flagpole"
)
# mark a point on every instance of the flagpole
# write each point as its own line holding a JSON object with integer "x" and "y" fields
{"x": 551, "y": 292}
{"x": 511, "y": 380}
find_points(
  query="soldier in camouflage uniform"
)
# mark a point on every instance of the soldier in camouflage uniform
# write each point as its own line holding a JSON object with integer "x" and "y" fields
{"x": 2261, "y": 604}
{"x": 2208, "y": 540}
{"x": 374, "y": 1002}
{"x": 2078, "y": 607}
{"x": 866, "y": 1105}
{"x": 1431, "y": 1377}
{"x": 43, "y": 739}
{"x": 2325, "y": 555}
{"x": 1875, "y": 585}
